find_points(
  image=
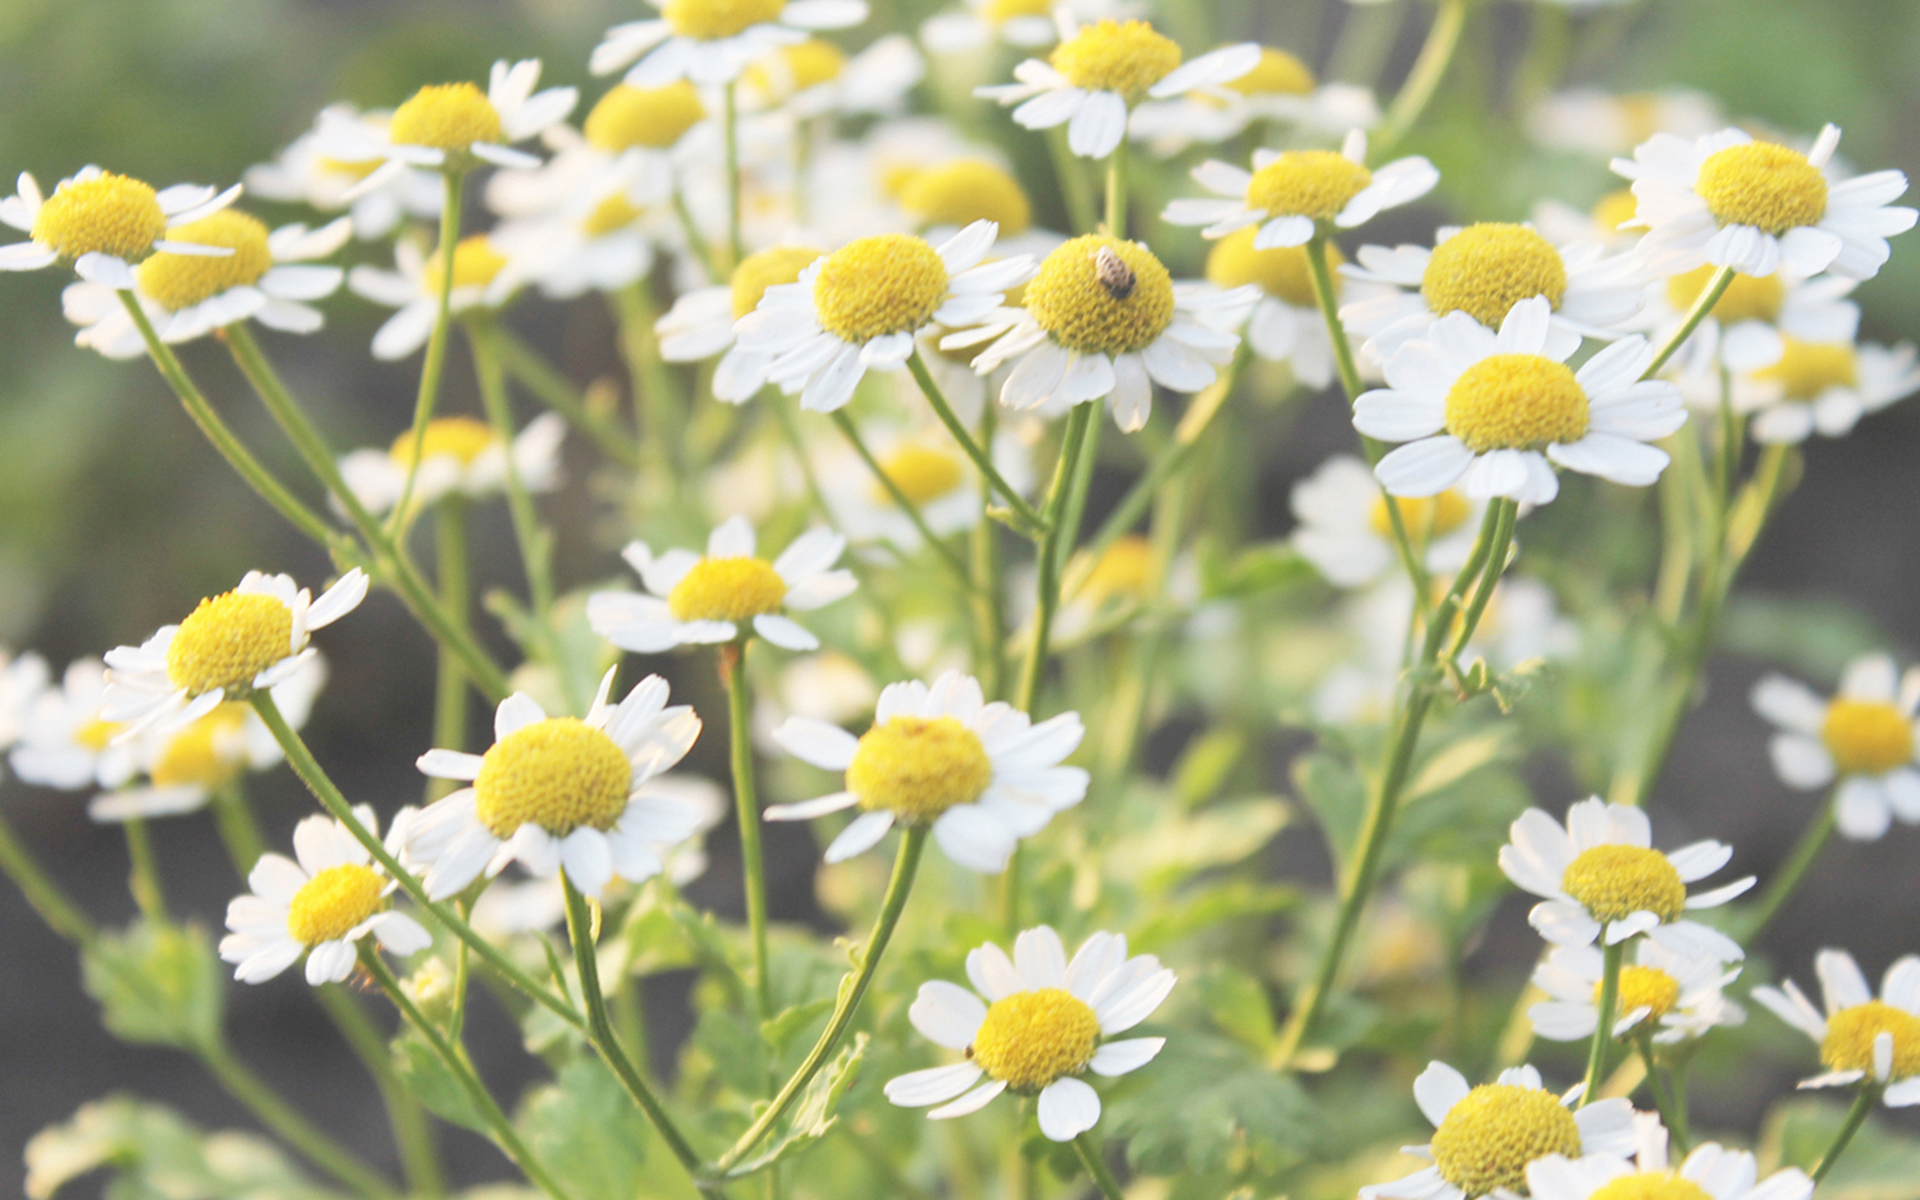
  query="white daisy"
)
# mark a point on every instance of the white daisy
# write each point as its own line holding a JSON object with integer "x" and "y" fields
{"x": 1037, "y": 1024}
{"x": 1027, "y": 24}
{"x": 104, "y": 223}
{"x": 693, "y": 600}
{"x": 557, "y": 792}
{"x": 1484, "y": 1137}
{"x": 483, "y": 277}
{"x": 1681, "y": 996}
{"x": 231, "y": 646}
{"x": 712, "y": 41}
{"x": 1731, "y": 201}
{"x": 24, "y": 679}
{"x": 1285, "y": 324}
{"x": 929, "y": 468}
{"x": 1824, "y": 387}
{"x": 701, "y": 322}
{"x": 460, "y": 456}
{"x": 813, "y": 78}
{"x": 1865, "y": 737}
{"x": 320, "y": 906}
{"x": 1600, "y": 878}
{"x": 1711, "y": 1171}
{"x": 1345, "y": 528}
{"x": 1494, "y": 414}
{"x": 1599, "y": 224}
{"x": 1749, "y": 327}
{"x": 63, "y": 743}
{"x": 1859, "y": 1035}
{"x": 304, "y": 173}
{"x": 1591, "y": 121}
{"x": 1280, "y": 89}
{"x": 982, "y": 775}
{"x": 600, "y": 238}
{"x": 1290, "y": 195}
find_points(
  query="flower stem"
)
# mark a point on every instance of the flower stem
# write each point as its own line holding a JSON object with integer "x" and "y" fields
{"x": 289, "y": 1125}
{"x": 434, "y": 367}
{"x": 990, "y": 616}
{"x": 450, "y": 681}
{"x": 1096, "y": 1164}
{"x": 1787, "y": 878}
{"x": 1047, "y": 589}
{"x": 1856, "y": 1116}
{"x": 733, "y": 676}
{"x": 1436, "y": 54}
{"x": 1117, "y": 190}
{"x": 981, "y": 458}
{"x": 736, "y": 244}
{"x": 656, "y": 400}
{"x": 43, "y": 895}
{"x": 696, "y": 241}
{"x": 1508, "y": 512}
{"x": 1609, "y": 1011}
{"x": 555, "y": 391}
{"x": 1673, "y": 1114}
{"x": 948, "y": 557}
{"x": 1702, "y": 305}
{"x": 145, "y": 875}
{"x": 1072, "y": 181}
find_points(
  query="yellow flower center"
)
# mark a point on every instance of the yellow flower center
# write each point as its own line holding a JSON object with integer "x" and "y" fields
{"x": 1423, "y": 516}
{"x": 655, "y": 118}
{"x": 967, "y": 190}
{"x": 727, "y": 589}
{"x": 461, "y": 438}
{"x": 1279, "y": 74}
{"x": 1486, "y": 269}
{"x": 1615, "y": 881}
{"x": 357, "y": 168}
{"x": 227, "y": 641}
{"x": 328, "y": 906}
{"x": 1848, "y": 1045}
{"x": 446, "y": 116}
{"x": 1746, "y": 298}
{"x": 999, "y": 12}
{"x": 1030, "y": 1039}
{"x": 1307, "y": 183}
{"x": 559, "y": 774}
{"x": 1650, "y": 1185}
{"x": 1764, "y": 185}
{"x": 1490, "y": 1136}
{"x": 611, "y": 215}
{"x": 475, "y": 265}
{"x": 108, "y": 214}
{"x": 922, "y": 473}
{"x": 712, "y": 19}
{"x": 208, "y": 752}
{"x": 758, "y": 272}
{"x": 1645, "y": 987}
{"x": 1518, "y": 402}
{"x": 177, "y": 281}
{"x": 1867, "y": 737}
{"x": 793, "y": 69}
{"x": 1614, "y": 209}
{"x": 1282, "y": 272}
{"x": 96, "y": 735}
{"x": 1124, "y": 57}
{"x": 1098, "y": 294}
{"x": 888, "y": 283}
{"x": 1124, "y": 570}
{"x": 1806, "y": 369}
{"x": 919, "y": 767}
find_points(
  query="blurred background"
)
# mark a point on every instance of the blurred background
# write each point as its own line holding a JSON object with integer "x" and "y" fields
{"x": 115, "y": 517}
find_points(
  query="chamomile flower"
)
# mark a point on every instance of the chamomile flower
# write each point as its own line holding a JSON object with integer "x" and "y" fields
{"x": 231, "y": 646}
{"x": 1099, "y": 73}
{"x": 304, "y": 173}
{"x": 1285, "y": 324}
{"x": 1484, "y": 1137}
{"x": 701, "y": 322}
{"x": 24, "y": 679}
{"x": 1028, "y": 24}
{"x": 1680, "y": 996}
{"x": 1859, "y": 1037}
{"x": 1710, "y": 1172}
{"x": 600, "y": 236}
{"x": 932, "y": 472}
{"x": 103, "y": 224}
{"x": 1824, "y": 387}
{"x": 1599, "y": 224}
{"x": 943, "y": 197}
{"x": 1865, "y": 737}
{"x": 1730, "y": 201}
{"x": 63, "y": 743}
{"x": 1036, "y": 1025}
{"x": 554, "y": 792}
{"x": 459, "y": 456}
{"x": 1749, "y": 327}
{"x": 1292, "y": 194}
{"x": 319, "y": 906}
{"x": 482, "y": 278}
{"x": 1591, "y": 121}
{"x": 814, "y": 78}
{"x": 859, "y": 308}
{"x": 1345, "y": 528}
{"x": 727, "y": 594}
{"x": 1494, "y": 413}
{"x": 1280, "y": 88}
{"x": 712, "y": 41}
{"x": 981, "y": 775}
{"x": 1103, "y": 317}
{"x": 455, "y": 126}
{"x": 1600, "y": 878}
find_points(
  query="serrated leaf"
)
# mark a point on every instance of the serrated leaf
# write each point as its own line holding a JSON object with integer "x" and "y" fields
{"x": 1239, "y": 1005}
{"x": 1200, "y": 1099}
{"x": 586, "y": 1128}
{"x": 1337, "y": 795}
{"x": 779, "y": 1029}
{"x": 815, "y": 1113}
{"x": 155, "y": 1152}
{"x": 433, "y": 1083}
{"x": 156, "y": 984}
{"x": 1455, "y": 762}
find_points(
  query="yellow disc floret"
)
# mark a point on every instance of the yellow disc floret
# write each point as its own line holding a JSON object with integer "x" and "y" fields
{"x": 1124, "y": 57}
{"x": 328, "y": 906}
{"x": 654, "y": 118}
{"x": 1867, "y": 737}
{"x": 96, "y": 735}
{"x": 1848, "y": 1045}
{"x": 919, "y": 767}
{"x": 922, "y": 473}
{"x": 1307, "y": 183}
{"x": 227, "y": 641}
{"x": 460, "y": 438}
{"x": 1614, "y": 209}
{"x": 1098, "y": 294}
{"x": 1651, "y": 1185}
{"x": 1486, "y": 269}
{"x": 1282, "y": 272}
{"x": 1807, "y": 369}
{"x": 446, "y": 116}
{"x": 1126, "y": 569}
{"x": 1615, "y": 881}
{"x": 758, "y": 272}
{"x": 177, "y": 281}
{"x": 108, "y": 214}
{"x": 559, "y": 774}
{"x": 1746, "y": 298}
{"x": 1516, "y": 402}
{"x": 888, "y": 283}
{"x": 208, "y": 753}
{"x": 968, "y": 190}
{"x": 1495, "y": 1130}
{"x": 999, "y": 12}
{"x": 1030, "y": 1039}
{"x": 711, "y": 19}
{"x": 727, "y": 589}
{"x": 611, "y": 215}
{"x": 1645, "y": 987}
{"x": 791, "y": 70}
{"x": 1422, "y": 516}
{"x": 475, "y": 265}
{"x": 1279, "y": 74}
{"x": 1764, "y": 185}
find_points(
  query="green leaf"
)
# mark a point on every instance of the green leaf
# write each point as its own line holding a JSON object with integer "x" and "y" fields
{"x": 1179, "y": 844}
{"x": 1337, "y": 795}
{"x": 156, "y": 984}
{"x": 814, "y": 1115}
{"x": 1209, "y": 760}
{"x": 588, "y": 1131}
{"x": 1202, "y": 908}
{"x": 1199, "y": 1100}
{"x": 153, "y": 1151}
{"x": 1878, "y": 1164}
{"x": 781, "y": 1028}
{"x": 1239, "y": 1005}
{"x": 433, "y": 1083}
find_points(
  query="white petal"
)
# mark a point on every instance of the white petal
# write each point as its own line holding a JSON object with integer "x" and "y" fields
{"x": 1129, "y": 1054}
{"x": 947, "y": 1014}
{"x": 918, "y": 1089}
{"x": 1067, "y": 1109}
{"x": 861, "y": 834}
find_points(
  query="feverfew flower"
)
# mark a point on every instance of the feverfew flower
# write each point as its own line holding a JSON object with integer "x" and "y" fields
{"x": 63, "y": 743}
{"x": 1859, "y": 1035}
{"x": 982, "y": 775}
{"x": 929, "y": 468}
{"x": 1591, "y": 121}
{"x": 104, "y": 223}
{"x": 1044, "y": 1022}
{"x": 1824, "y": 387}
{"x": 23, "y": 680}
{"x": 1601, "y": 878}
{"x": 701, "y": 322}
{"x": 304, "y": 173}
{"x": 481, "y": 279}
{"x": 1749, "y": 327}
{"x": 1680, "y": 996}
{"x": 712, "y": 41}
{"x": 1292, "y": 194}
{"x": 1027, "y": 24}
{"x": 1865, "y": 737}
{"x": 320, "y": 906}
{"x": 814, "y": 78}
{"x": 1285, "y": 324}
{"x": 459, "y": 456}
{"x": 454, "y": 126}
{"x": 1345, "y": 528}
{"x": 1281, "y": 89}
{"x": 1710, "y": 1172}
{"x": 694, "y": 600}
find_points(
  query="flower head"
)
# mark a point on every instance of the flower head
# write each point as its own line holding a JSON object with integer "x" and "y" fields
{"x": 1865, "y": 737}
{"x": 1294, "y": 194}
{"x": 454, "y": 126}
{"x": 1680, "y": 996}
{"x": 1280, "y": 88}
{"x": 1710, "y": 1172}
{"x": 713, "y": 41}
{"x": 1346, "y": 529}
{"x": 1860, "y": 1037}
{"x": 484, "y": 276}
{"x": 63, "y": 743}
{"x": 459, "y": 456}
{"x": 701, "y": 322}
{"x": 305, "y": 173}
{"x": 1824, "y": 387}
{"x": 103, "y": 224}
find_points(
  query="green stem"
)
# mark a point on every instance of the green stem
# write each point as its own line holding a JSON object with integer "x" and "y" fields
{"x": 1072, "y": 180}
{"x": 981, "y": 458}
{"x": 733, "y": 676}
{"x": 947, "y": 555}
{"x": 1096, "y": 1164}
{"x": 657, "y": 403}
{"x": 1702, "y": 305}
{"x": 1609, "y": 1011}
{"x": 1508, "y": 513}
{"x": 1047, "y": 589}
{"x": 287, "y": 1124}
{"x": 1673, "y": 1114}
{"x": 1436, "y": 54}
{"x": 434, "y": 367}
{"x": 239, "y": 832}
{"x": 43, "y": 895}
{"x": 1787, "y": 878}
{"x": 736, "y": 244}
{"x": 450, "y": 681}
{"x": 696, "y": 241}
{"x": 145, "y": 875}
{"x": 1117, "y": 191}
{"x": 555, "y": 391}
{"x": 412, "y": 1134}
{"x": 1856, "y": 1116}
{"x": 990, "y": 616}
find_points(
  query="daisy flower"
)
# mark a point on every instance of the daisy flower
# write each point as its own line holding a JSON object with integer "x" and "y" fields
{"x": 1864, "y": 737}
{"x": 929, "y": 468}
{"x": 1591, "y": 121}
{"x": 1100, "y": 72}
{"x": 459, "y": 456}
{"x": 319, "y": 906}
{"x": 814, "y": 78}
{"x": 1281, "y": 89}
{"x": 1824, "y": 387}
{"x": 693, "y": 600}
{"x": 1291, "y": 195}
{"x": 1028, "y": 24}
{"x": 601, "y": 238}
{"x": 1710, "y": 1172}
{"x": 104, "y": 223}
{"x": 481, "y": 279}
{"x": 1600, "y": 878}
{"x": 712, "y": 41}
{"x": 1495, "y": 413}
{"x": 1345, "y": 528}
{"x": 24, "y": 679}
{"x": 304, "y": 173}
{"x": 1599, "y": 224}
{"x": 1483, "y": 271}
{"x": 554, "y": 792}
{"x": 953, "y": 193}
{"x": 982, "y": 775}
{"x": 231, "y": 646}
{"x": 1680, "y": 996}
{"x": 1858, "y": 1034}
{"x": 1103, "y": 317}
{"x": 701, "y": 322}
{"x": 1484, "y": 1137}
{"x": 1749, "y": 327}
{"x": 1730, "y": 201}
{"x": 1037, "y": 1024}
{"x": 1285, "y": 324}
{"x": 63, "y": 743}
